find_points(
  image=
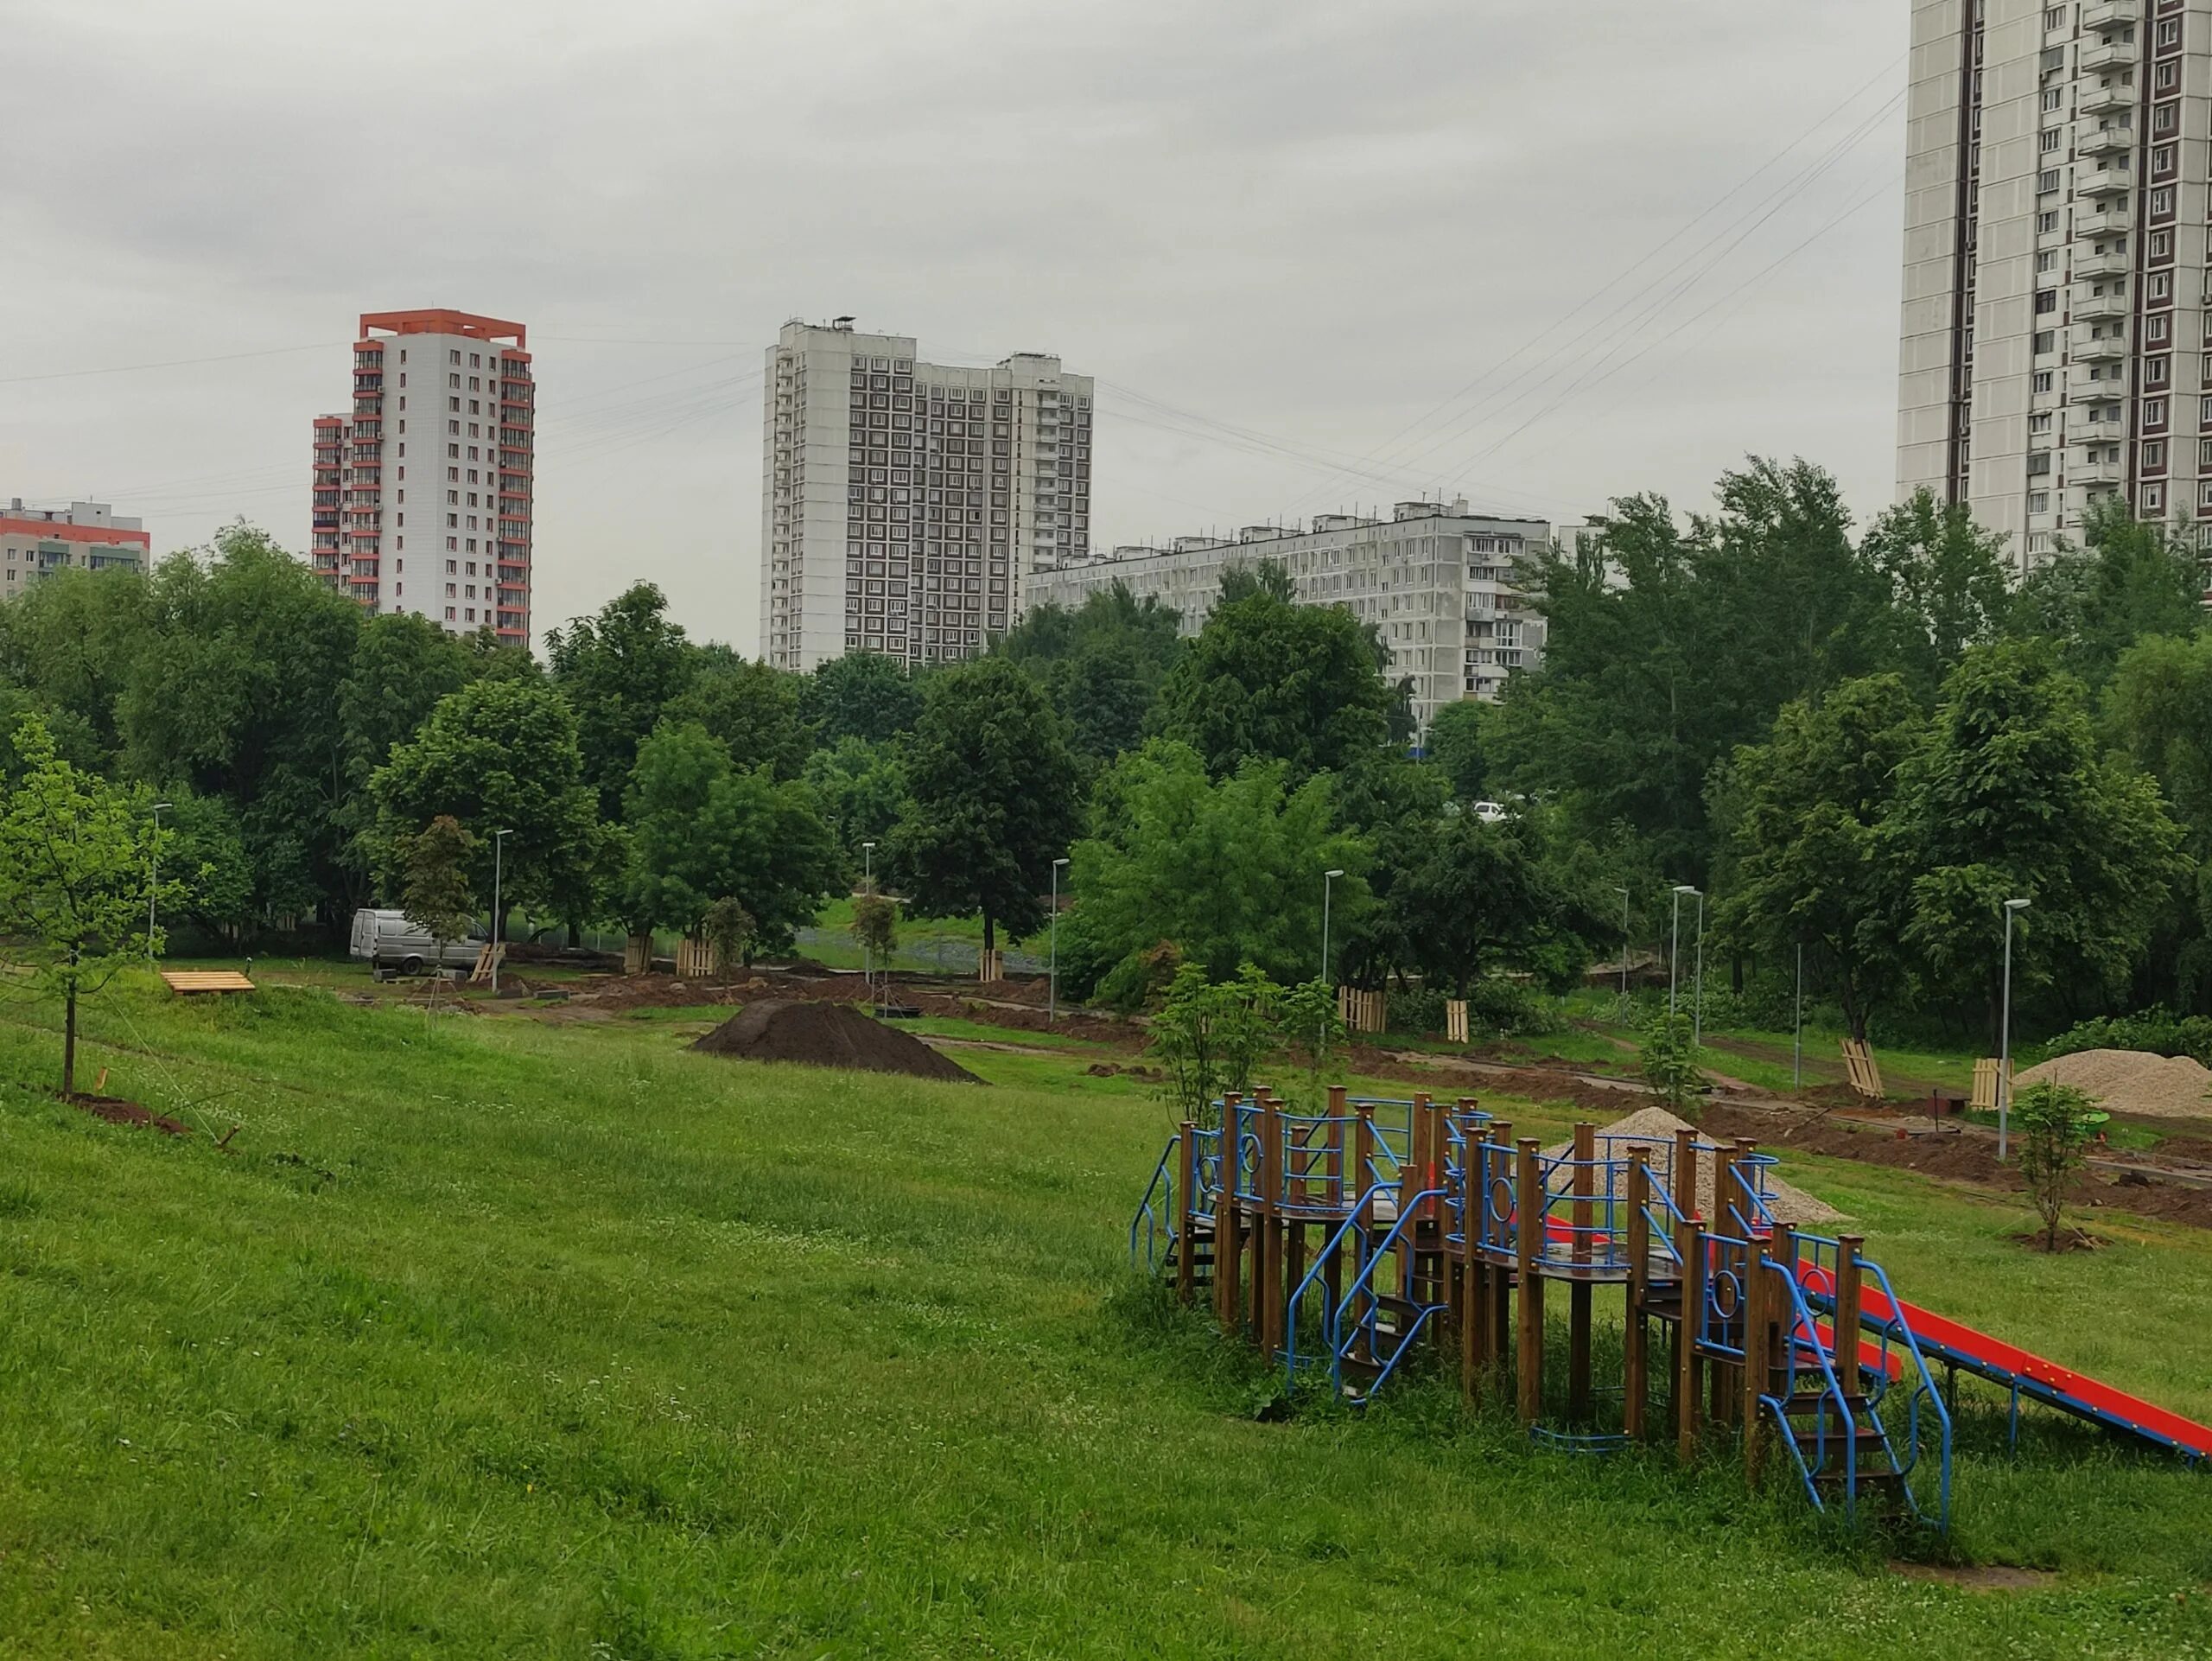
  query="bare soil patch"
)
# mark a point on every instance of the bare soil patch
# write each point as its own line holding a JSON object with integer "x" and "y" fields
{"x": 2069, "y": 1239}
{"x": 1948, "y": 1154}
{"x": 116, "y": 1111}
{"x": 1982, "y": 1577}
{"x": 827, "y": 1035}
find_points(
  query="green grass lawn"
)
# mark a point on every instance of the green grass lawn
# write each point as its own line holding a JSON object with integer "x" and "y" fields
{"x": 497, "y": 1337}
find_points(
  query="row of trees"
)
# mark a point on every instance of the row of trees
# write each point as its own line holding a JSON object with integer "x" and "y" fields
{"x": 1863, "y": 745}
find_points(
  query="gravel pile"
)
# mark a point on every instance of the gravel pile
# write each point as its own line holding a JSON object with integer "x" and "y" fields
{"x": 1655, "y": 1128}
{"x": 2131, "y": 1081}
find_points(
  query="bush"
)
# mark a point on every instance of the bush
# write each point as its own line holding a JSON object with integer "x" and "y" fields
{"x": 2158, "y": 1030}
{"x": 1512, "y": 1008}
{"x": 2054, "y": 1122}
{"x": 1670, "y": 1067}
{"x": 1416, "y": 1011}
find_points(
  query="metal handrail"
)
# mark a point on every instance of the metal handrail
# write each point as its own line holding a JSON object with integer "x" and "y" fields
{"x": 1832, "y": 1390}
{"x": 1409, "y": 1212}
{"x": 1153, "y": 1227}
{"x": 1320, "y": 1263}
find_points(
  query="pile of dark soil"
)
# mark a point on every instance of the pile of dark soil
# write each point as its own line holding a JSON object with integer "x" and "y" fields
{"x": 827, "y": 1035}
{"x": 116, "y": 1111}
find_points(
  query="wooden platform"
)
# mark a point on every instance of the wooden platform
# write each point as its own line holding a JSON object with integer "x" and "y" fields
{"x": 190, "y": 983}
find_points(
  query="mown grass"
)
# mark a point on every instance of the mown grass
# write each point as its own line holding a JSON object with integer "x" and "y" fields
{"x": 491, "y": 1337}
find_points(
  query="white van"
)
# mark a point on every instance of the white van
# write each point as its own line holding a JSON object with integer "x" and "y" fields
{"x": 390, "y": 944}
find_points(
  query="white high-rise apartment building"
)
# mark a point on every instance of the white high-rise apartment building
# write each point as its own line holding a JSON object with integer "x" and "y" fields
{"x": 457, "y": 388}
{"x": 1435, "y": 579}
{"x": 2054, "y": 344}
{"x": 904, "y": 505}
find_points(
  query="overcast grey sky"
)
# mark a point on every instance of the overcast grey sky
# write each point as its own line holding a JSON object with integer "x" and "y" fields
{"x": 1320, "y": 254}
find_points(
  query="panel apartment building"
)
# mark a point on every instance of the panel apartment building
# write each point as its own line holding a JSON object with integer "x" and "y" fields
{"x": 464, "y": 563}
{"x": 1435, "y": 579}
{"x": 905, "y": 505}
{"x": 2054, "y": 349}
{"x": 36, "y": 542}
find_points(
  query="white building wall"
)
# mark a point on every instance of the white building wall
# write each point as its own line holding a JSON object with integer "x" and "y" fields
{"x": 1436, "y": 581}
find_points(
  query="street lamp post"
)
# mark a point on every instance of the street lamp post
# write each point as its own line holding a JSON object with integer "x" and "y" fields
{"x": 499, "y": 912}
{"x": 1327, "y": 878}
{"x": 1797, "y": 1027}
{"x": 867, "y": 886}
{"x": 1052, "y": 996}
{"x": 1674, "y": 945}
{"x": 1621, "y": 888}
{"x": 153, "y": 881}
{"x": 1697, "y": 996}
{"x": 2013, "y": 908}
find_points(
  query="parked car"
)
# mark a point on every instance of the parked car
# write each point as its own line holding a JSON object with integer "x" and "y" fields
{"x": 390, "y": 944}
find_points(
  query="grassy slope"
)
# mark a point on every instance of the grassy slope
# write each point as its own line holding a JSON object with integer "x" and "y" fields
{"x": 499, "y": 1338}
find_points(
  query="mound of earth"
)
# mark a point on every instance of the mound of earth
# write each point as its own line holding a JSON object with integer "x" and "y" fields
{"x": 2131, "y": 1081}
{"x": 827, "y": 1035}
{"x": 1654, "y": 1128}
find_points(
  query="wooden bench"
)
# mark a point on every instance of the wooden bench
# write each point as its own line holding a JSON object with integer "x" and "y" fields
{"x": 191, "y": 983}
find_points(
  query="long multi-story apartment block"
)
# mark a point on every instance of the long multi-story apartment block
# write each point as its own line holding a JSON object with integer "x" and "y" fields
{"x": 462, "y": 384}
{"x": 1435, "y": 579}
{"x": 2054, "y": 344}
{"x": 904, "y": 505}
{"x": 36, "y": 542}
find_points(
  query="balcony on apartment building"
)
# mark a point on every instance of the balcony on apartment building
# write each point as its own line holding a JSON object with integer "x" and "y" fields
{"x": 2112, "y": 219}
{"x": 2110, "y": 14}
{"x": 2095, "y": 472}
{"x": 2101, "y": 348}
{"x": 2099, "y": 307}
{"x": 2113, "y": 262}
{"x": 2104, "y": 184}
{"x": 2103, "y": 100}
{"x": 2107, "y": 55}
{"x": 2106, "y": 141}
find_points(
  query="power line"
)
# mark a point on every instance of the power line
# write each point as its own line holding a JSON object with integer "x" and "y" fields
{"x": 170, "y": 363}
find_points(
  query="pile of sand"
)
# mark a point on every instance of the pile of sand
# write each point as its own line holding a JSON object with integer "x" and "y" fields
{"x": 1655, "y": 1128}
{"x": 2131, "y": 1081}
{"x": 826, "y": 1035}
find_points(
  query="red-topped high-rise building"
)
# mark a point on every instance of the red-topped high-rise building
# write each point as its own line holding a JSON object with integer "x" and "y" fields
{"x": 457, "y": 389}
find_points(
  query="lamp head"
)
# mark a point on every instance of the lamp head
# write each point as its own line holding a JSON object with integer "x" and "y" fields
{"x": 158, "y": 807}
{"x": 1684, "y": 887}
{"x": 2017, "y": 904}
{"x": 1061, "y": 861}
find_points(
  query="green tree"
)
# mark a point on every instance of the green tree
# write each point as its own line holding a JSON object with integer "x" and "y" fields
{"x": 74, "y": 639}
{"x": 1477, "y": 897}
{"x": 1814, "y": 862}
{"x": 402, "y": 666}
{"x": 2132, "y": 579}
{"x": 1268, "y": 681}
{"x": 619, "y": 670}
{"x": 2158, "y": 711}
{"x": 861, "y": 694}
{"x": 235, "y": 692}
{"x": 1455, "y": 744}
{"x": 1668, "y": 1056}
{"x": 1228, "y": 872}
{"x": 434, "y": 886}
{"x": 2008, "y": 796}
{"x": 207, "y": 849}
{"x": 497, "y": 755}
{"x": 1947, "y": 583}
{"x": 992, "y": 798}
{"x": 752, "y": 708}
{"x": 875, "y": 927}
{"x": 861, "y": 789}
{"x": 2054, "y": 1123}
{"x": 701, "y": 831}
{"x": 76, "y": 880}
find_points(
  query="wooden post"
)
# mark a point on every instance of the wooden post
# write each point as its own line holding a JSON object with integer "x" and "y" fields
{"x": 1846, "y": 1312}
{"x": 1578, "y": 1290}
{"x": 1685, "y": 1172}
{"x": 1267, "y": 1262}
{"x": 1363, "y": 1150}
{"x": 1755, "y": 1357}
{"x": 1720, "y": 1373}
{"x": 1474, "y": 1268}
{"x": 1686, "y": 1379}
{"x": 1497, "y": 1165}
{"x": 1682, "y": 1174}
{"x": 1347, "y": 1195}
{"x": 1743, "y": 1176}
{"x": 1529, "y": 1236}
{"x": 1636, "y": 1380}
{"x": 1228, "y": 1227}
{"x": 1186, "y": 1268}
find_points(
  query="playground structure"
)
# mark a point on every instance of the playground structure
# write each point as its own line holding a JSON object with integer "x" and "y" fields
{"x": 1346, "y": 1242}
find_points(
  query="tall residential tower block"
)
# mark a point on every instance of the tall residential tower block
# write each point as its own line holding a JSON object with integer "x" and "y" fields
{"x": 462, "y": 384}
{"x": 2053, "y": 343}
{"x": 904, "y": 505}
